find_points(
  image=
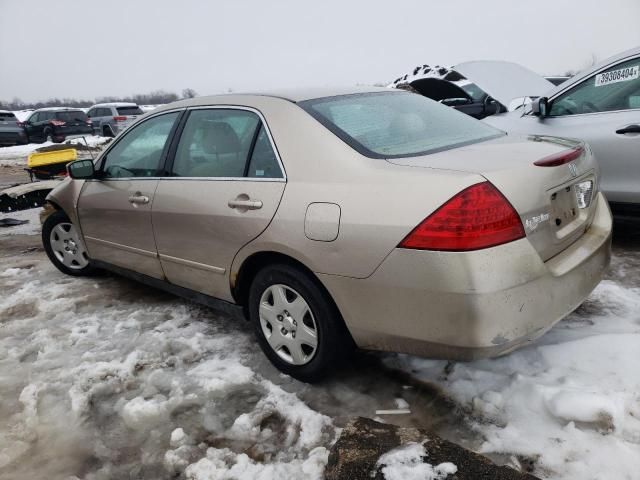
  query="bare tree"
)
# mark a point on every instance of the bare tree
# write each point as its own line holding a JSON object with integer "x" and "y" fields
{"x": 189, "y": 93}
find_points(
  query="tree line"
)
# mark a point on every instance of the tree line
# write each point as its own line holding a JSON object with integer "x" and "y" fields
{"x": 152, "y": 98}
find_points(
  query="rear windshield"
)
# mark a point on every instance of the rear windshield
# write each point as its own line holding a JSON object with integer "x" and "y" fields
{"x": 397, "y": 124}
{"x": 129, "y": 111}
{"x": 71, "y": 116}
{"x": 7, "y": 116}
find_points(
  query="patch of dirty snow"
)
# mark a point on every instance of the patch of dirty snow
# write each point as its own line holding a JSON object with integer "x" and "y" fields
{"x": 100, "y": 382}
{"x": 32, "y": 216}
{"x": 569, "y": 403}
{"x": 407, "y": 462}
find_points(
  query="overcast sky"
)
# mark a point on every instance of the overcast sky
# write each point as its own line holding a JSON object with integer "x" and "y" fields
{"x": 85, "y": 49}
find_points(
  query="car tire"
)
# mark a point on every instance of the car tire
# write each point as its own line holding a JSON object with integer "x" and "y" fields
{"x": 46, "y": 134}
{"x": 276, "y": 321}
{"x": 64, "y": 247}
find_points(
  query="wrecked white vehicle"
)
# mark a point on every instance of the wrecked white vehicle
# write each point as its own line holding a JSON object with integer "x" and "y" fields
{"x": 479, "y": 89}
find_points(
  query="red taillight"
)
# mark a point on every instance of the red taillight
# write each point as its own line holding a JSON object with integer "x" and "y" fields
{"x": 20, "y": 124}
{"x": 561, "y": 158}
{"x": 57, "y": 123}
{"x": 119, "y": 119}
{"x": 477, "y": 217}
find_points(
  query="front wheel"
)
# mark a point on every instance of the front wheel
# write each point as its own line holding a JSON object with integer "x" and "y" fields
{"x": 297, "y": 325}
{"x": 64, "y": 246}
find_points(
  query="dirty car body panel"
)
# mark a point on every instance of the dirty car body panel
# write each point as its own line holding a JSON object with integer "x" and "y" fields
{"x": 356, "y": 176}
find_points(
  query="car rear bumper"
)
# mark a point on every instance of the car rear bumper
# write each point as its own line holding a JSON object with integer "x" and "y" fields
{"x": 12, "y": 138}
{"x": 471, "y": 304}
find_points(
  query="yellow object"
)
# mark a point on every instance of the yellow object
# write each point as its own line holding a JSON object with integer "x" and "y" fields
{"x": 39, "y": 159}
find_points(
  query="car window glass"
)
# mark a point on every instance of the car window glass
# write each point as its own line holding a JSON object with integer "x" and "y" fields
{"x": 616, "y": 88}
{"x": 139, "y": 152}
{"x": 215, "y": 143}
{"x": 34, "y": 118}
{"x": 264, "y": 163}
{"x": 129, "y": 111}
{"x": 395, "y": 124}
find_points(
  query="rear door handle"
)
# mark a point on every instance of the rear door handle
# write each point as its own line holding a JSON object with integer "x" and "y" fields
{"x": 245, "y": 204}
{"x": 629, "y": 129}
{"x": 138, "y": 199}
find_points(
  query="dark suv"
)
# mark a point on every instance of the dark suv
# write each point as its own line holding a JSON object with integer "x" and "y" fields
{"x": 57, "y": 124}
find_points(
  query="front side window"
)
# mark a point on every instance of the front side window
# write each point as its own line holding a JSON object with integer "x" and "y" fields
{"x": 397, "y": 124}
{"x": 215, "y": 143}
{"x": 616, "y": 88}
{"x": 140, "y": 150}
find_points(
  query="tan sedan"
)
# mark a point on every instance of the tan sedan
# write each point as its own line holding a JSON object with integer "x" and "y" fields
{"x": 336, "y": 218}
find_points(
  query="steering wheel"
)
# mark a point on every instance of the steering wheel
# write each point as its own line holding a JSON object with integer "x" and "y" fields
{"x": 589, "y": 107}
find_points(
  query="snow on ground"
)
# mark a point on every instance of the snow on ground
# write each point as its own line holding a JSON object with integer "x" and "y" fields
{"x": 570, "y": 403}
{"x": 17, "y": 154}
{"x": 406, "y": 462}
{"x": 138, "y": 385}
{"x": 31, "y": 228}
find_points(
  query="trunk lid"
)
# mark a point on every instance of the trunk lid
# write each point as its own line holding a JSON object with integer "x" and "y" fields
{"x": 544, "y": 197}
{"x": 505, "y": 81}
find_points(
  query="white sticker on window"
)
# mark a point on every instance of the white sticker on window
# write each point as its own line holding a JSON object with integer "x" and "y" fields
{"x": 615, "y": 76}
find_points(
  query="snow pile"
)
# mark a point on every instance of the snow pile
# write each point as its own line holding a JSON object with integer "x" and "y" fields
{"x": 569, "y": 403}
{"x": 406, "y": 462}
{"x": 104, "y": 379}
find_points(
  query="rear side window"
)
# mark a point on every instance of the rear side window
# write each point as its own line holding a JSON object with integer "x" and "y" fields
{"x": 129, "y": 111}
{"x": 397, "y": 124}
{"x": 217, "y": 143}
{"x": 7, "y": 116}
{"x": 71, "y": 116}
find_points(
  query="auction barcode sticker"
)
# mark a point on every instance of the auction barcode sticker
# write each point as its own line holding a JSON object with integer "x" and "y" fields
{"x": 615, "y": 76}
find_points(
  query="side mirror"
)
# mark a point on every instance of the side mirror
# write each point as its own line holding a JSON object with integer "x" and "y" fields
{"x": 81, "y": 169}
{"x": 540, "y": 107}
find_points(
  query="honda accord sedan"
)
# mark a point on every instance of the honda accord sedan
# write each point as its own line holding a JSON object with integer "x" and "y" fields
{"x": 340, "y": 218}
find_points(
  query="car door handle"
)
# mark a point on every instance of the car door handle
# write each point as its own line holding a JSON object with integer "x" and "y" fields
{"x": 138, "y": 199}
{"x": 245, "y": 204}
{"x": 629, "y": 129}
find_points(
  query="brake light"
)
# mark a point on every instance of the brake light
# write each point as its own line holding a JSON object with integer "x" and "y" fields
{"x": 119, "y": 119}
{"x": 477, "y": 217}
{"x": 57, "y": 123}
{"x": 560, "y": 158}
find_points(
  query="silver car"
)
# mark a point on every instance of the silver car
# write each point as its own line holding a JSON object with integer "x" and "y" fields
{"x": 600, "y": 106}
{"x": 109, "y": 119}
{"x": 334, "y": 218}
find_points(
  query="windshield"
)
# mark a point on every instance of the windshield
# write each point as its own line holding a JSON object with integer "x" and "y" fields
{"x": 397, "y": 124}
{"x": 72, "y": 116}
{"x": 474, "y": 91}
{"x": 129, "y": 111}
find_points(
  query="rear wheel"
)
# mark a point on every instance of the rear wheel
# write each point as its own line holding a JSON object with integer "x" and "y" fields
{"x": 296, "y": 323}
{"x": 107, "y": 131}
{"x": 47, "y": 135}
{"x": 64, "y": 247}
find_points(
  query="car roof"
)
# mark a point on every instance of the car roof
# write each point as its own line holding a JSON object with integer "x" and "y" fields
{"x": 115, "y": 104}
{"x": 293, "y": 95}
{"x": 6, "y": 111}
{"x": 58, "y": 109}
